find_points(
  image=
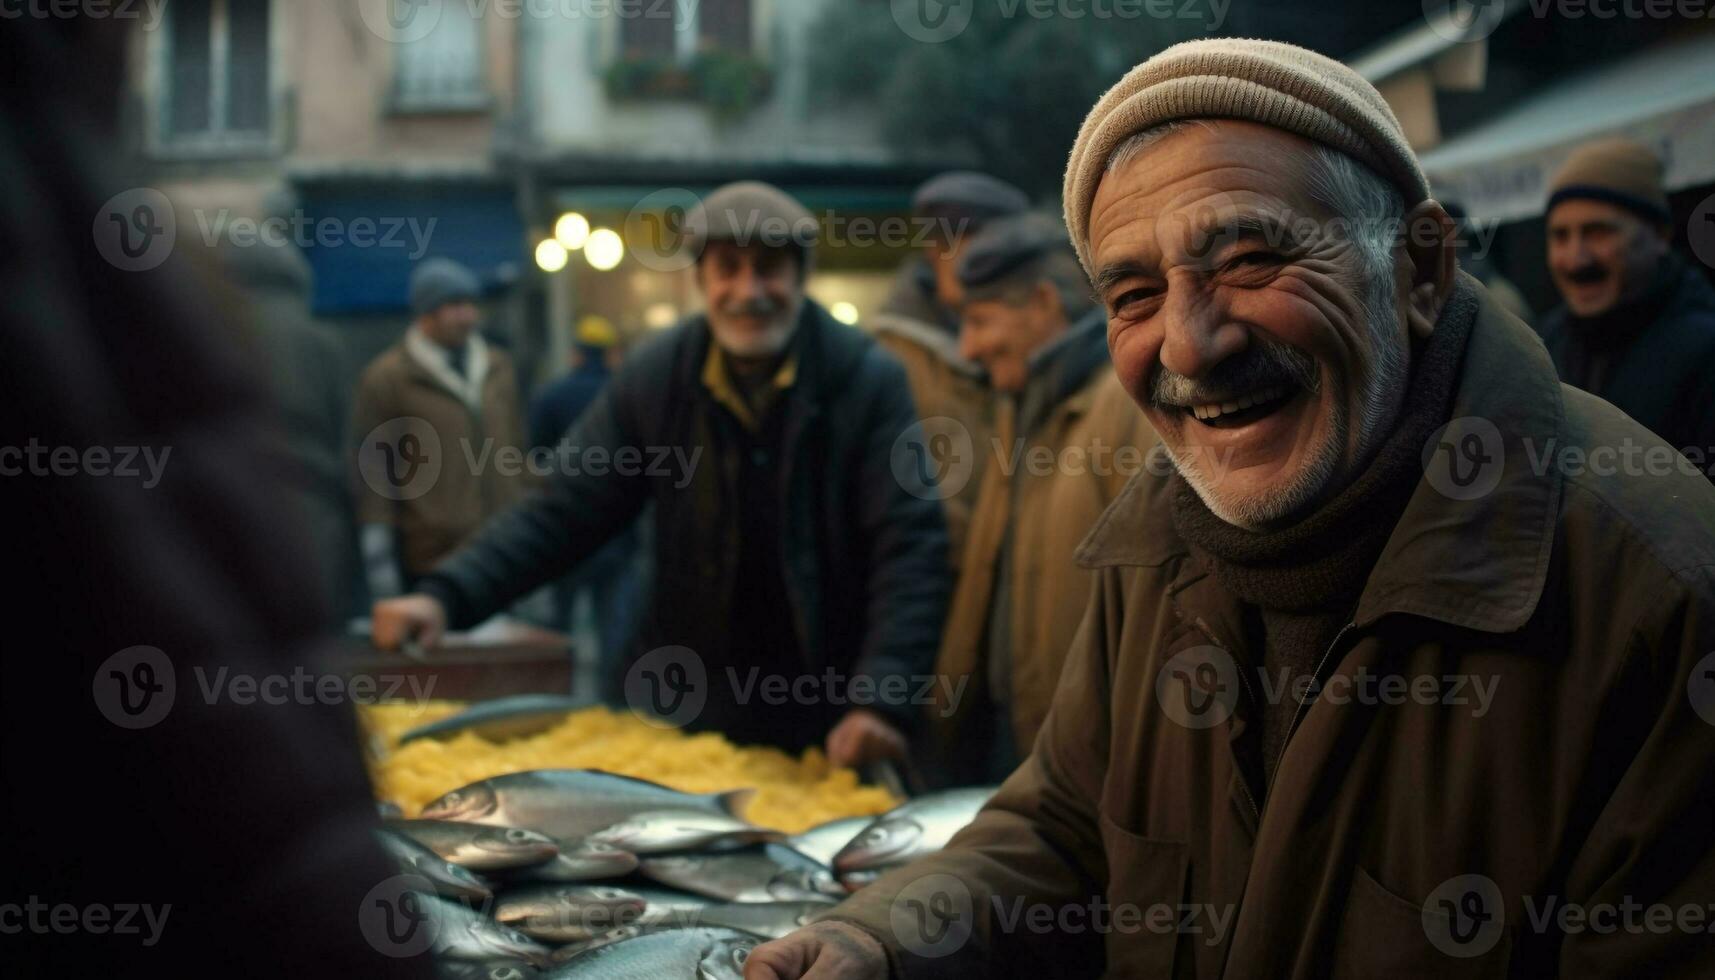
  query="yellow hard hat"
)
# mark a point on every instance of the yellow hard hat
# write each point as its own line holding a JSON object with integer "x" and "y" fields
{"x": 595, "y": 330}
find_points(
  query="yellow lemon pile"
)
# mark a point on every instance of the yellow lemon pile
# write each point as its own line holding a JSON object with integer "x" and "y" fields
{"x": 791, "y": 794}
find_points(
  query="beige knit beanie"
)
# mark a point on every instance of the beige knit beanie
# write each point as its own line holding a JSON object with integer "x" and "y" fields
{"x": 1268, "y": 82}
{"x": 1618, "y": 171}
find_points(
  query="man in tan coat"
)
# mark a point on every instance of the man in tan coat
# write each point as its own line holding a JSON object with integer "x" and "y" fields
{"x": 919, "y": 325}
{"x": 438, "y": 431}
{"x": 1404, "y": 669}
{"x": 1066, "y": 439}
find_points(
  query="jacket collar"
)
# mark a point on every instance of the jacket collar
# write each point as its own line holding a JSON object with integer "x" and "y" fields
{"x": 938, "y": 342}
{"x": 825, "y": 355}
{"x": 1060, "y": 371}
{"x": 1479, "y": 563}
{"x": 432, "y": 363}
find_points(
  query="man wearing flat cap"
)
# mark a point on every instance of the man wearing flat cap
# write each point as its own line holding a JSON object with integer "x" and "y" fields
{"x": 1066, "y": 439}
{"x": 799, "y": 587}
{"x": 1366, "y": 688}
{"x": 1637, "y": 325}
{"x": 443, "y": 373}
{"x": 919, "y": 324}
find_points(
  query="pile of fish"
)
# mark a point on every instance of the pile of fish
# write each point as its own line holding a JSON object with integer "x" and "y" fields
{"x": 570, "y": 873}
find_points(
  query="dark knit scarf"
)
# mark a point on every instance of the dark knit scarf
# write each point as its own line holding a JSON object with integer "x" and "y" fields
{"x": 1304, "y": 579}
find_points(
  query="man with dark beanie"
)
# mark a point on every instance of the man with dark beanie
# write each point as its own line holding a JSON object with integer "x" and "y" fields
{"x": 1364, "y": 685}
{"x": 1637, "y": 326}
{"x": 442, "y": 378}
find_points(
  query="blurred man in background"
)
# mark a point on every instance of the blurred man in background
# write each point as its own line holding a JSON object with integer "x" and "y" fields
{"x": 1637, "y": 325}
{"x": 1066, "y": 439}
{"x": 611, "y": 579}
{"x": 465, "y": 392}
{"x": 919, "y": 324}
{"x": 763, "y": 431}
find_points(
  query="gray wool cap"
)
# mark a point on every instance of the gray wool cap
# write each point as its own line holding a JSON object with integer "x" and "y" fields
{"x": 751, "y": 212}
{"x": 968, "y": 197}
{"x": 1009, "y": 250}
{"x": 439, "y": 281}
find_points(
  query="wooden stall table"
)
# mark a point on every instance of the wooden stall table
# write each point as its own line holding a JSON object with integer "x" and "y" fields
{"x": 499, "y": 657}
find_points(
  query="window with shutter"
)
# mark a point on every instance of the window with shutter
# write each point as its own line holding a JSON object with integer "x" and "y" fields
{"x": 217, "y": 92}
{"x": 442, "y": 70}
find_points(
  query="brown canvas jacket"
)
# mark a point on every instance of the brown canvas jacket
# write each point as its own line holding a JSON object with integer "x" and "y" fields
{"x": 1537, "y": 834}
{"x": 435, "y": 524}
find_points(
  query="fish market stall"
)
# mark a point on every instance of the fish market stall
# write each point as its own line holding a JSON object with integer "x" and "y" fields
{"x": 537, "y": 835}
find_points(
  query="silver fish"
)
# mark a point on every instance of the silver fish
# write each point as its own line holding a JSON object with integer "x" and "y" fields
{"x": 478, "y": 847}
{"x": 661, "y": 831}
{"x": 465, "y": 934}
{"x": 566, "y": 952}
{"x": 486, "y": 970}
{"x": 583, "y": 861}
{"x": 500, "y": 719}
{"x": 705, "y": 953}
{"x": 824, "y": 840}
{"x": 571, "y": 804}
{"x": 772, "y": 873}
{"x": 769, "y": 920}
{"x": 567, "y": 913}
{"x": 668, "y": 906}
{"x": 447, "y": 878}
{"x": 912, "y": 829}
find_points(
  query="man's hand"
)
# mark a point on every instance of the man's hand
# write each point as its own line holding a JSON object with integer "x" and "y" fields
{"x": 862, "y": 737}
{"x": 824, "y": 951}
{"x": 412, "y": 617}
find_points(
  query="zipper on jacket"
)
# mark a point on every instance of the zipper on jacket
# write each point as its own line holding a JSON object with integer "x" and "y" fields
{"x": 1256, "y": 707}
{"x": 1315, "y": 679}
{"x": 1244, "y": 784}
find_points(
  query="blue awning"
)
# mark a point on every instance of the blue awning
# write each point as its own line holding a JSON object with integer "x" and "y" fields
{"x": 477, "y": 226}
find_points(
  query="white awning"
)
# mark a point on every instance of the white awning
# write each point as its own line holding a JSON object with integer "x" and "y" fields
{"x": 1664, "y": 96}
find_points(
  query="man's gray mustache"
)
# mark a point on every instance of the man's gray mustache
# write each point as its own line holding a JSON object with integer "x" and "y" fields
{"x": 1264, "y": 363}
{"x": 755, "y": 307}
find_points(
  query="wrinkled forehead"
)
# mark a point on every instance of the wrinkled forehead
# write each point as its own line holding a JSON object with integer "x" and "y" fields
{"x": 1154, "y": 203}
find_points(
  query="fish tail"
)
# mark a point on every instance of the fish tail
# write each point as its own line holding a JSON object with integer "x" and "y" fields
{"x": 736, "y": 801}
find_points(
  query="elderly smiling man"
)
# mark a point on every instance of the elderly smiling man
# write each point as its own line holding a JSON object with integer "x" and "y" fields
{"x": 1381, "y": 544}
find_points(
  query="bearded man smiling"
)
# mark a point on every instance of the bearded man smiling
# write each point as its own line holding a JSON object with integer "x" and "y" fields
{"x": 1352, "y": 424}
